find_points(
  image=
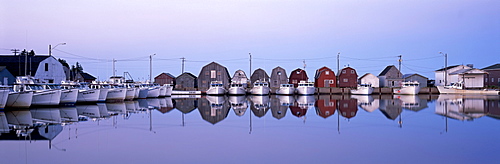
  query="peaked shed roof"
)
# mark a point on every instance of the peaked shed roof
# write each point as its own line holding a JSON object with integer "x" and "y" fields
{"x": 494, "y": 66}
{"x": 386, "y": 70}
{"x": 16, "y": 64}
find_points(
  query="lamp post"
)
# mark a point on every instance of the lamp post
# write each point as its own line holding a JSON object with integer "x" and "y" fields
{"x": 51, "y": 48}
{"x": 445, "y": 67}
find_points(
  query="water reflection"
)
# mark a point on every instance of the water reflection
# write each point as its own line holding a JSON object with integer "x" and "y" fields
{"x": 47, "y": 123}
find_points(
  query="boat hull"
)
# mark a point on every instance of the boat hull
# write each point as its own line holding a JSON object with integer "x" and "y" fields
{"x": 362, "y": 91}
{"x": 237, "y": 91}
{"x": 130, "y": 94}
{"x": 46, "y": 98}
{"x": 116, "y": 94}
{"x": 19, "y": 99}
{"x": 444, "y": 90}
{"x": 409, "y": 90}
{"x": 153, "y": 92}
{"x": 260, "y": 90}
{"x": 69, "y": 96}
{"x": 103, "y": 93}
{"x": 285, "y": 91}
{"x": 85, "y": 96}
{"x": 4, "y": 95}
{"x": 216, "y": 91}
{"x": 305, "y": 90}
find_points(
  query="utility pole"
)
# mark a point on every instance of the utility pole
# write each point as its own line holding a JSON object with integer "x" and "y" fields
{"x": 445, "y": 67}
{"x": 114, "y": 61}
{"x": 338, "y": 67}
{"x": 15, "y": 51}
{"x": 400, "y": 60}
{"x": 151, "y": 68}
{"x": 183, "y": 59}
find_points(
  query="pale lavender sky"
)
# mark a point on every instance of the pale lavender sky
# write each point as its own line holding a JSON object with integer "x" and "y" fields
{"x": 368, "y": 34}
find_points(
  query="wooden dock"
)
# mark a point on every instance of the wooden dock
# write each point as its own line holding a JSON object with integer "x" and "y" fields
{"x": 376, "y": 91}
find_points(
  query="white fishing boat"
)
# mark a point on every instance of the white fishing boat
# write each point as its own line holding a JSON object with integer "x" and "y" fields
{"x": 103, "y": 90}
{"x": 236, "y": 89}
{"x": 19, "y": 97}
{"x": 285, "y": 89}
{"x": 153, "y": 91}
{"x": 216, "y": 88}
{"x": 408, "y": 88}
{"x": 260, "y": 88}
{"x": 42, "y": 95}
{"x": 68, "y": 95}
{"x": 239, "y": 104}
{"x": 130, "y": 91}
{"x": 169, "y": 88}
{"x": 306, "y": 101}
{"x": 458, "y": 88}
{"x": 143, "y": 91}
{"x": 4, "y": 95}
{"x": 260, "y": 102}
{"x": 166, "y": 90}
{"x": 305, "y": 88}
{"x": 116, "y": 93}
{"x": 286, "y": 100}
{"x": 87, "y": 94}
{"x": 362, "y": 89}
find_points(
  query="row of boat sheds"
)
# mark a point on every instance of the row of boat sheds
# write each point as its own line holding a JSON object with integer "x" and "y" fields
{"x": 214, "y": 79}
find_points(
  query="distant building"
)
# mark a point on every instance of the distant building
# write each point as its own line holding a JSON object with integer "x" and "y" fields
{"x": 277, "y": 108}
{"x": 369, "y": 78}
{"x": 416, "y": 77}
{"x": 493, "y": 76}
{"x": 390, "y": 77}
{"x": 186, "y": 105}
{"x": 45, "y": 68}
{"x": 258, "y": 74}
{"x": 6, "y": 78}
{"x": 213, "y": 72}
{"x": 278, "y": 77}
{"x": 472, "y": 77}
{"x": 165, "y": 78}
{"x": 186, "y": 82}
{"x": 296, "y": 76}
{"x": 348, "y": 78}
{"x": 325, "y": 77}
{"x": 213, "y": 112}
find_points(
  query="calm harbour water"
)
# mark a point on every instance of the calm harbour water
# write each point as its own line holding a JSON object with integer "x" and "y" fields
{"x": 259, "y": 129}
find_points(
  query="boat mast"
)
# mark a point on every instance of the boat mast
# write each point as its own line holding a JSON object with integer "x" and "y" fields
{"x": 400, "y": 73}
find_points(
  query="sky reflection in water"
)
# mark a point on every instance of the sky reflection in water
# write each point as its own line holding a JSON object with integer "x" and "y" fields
{"x": 256, "y": 129}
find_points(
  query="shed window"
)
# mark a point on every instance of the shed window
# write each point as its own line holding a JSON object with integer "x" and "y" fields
{"x": 330, "y": 81}
{"x": 343, "y": 71}
{"x": 46, "y": 66}
{"x": 279, "y": 72}
{"x": 327, "y": 73}
{"x": 346, "y": 80}
{"x": 213, "y": 74}
{"x": 485, "y": 79}
{"x": 352, "y": 71}
{"x": 492, "y": 79}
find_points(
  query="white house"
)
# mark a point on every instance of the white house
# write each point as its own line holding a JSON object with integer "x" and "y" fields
{"x": 472, "y": 77}
{"x": 390, "y": 77}
{"x": 369, "y": 78}
{"x": 43, "y": 67}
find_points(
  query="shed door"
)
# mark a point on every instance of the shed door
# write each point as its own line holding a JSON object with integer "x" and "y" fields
{"x": 327, "y": 83}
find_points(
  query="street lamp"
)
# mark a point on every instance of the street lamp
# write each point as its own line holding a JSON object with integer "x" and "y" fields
{"x": 51, "y": 48}
{"x": 445, "y": 67}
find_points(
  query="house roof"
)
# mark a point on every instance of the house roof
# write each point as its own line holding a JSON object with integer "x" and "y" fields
{"x": 469, "y": 71}
{"x": 2, "y": 68}
{"x": 447, "y": 68}
{"x": 87, "y": 76}
{"x": 188, "y": 74}
{"x": 387, "y": 69}
{"x": 366, "y": 74}
{"x": 16, "y": 64}
{"x": 414, "y": 74}
{"x": 168, "y": 74}
{"x": 494, "y": 66}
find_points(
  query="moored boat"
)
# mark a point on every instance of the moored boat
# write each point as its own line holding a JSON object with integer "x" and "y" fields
{"x": 103, "y": 90}
{"x": 362, "y": 89}
{"x": 19, "y": 97}
{"x": 458, "y": 88}
{"x": 408, "y": 88}
{"x": 68, "y": 95}
{"x": 4, "y": 95}
{"x": 216, "y": 88}
{"x": 116, "y": 93}
{"x": 260, "y": 88}
{"x": 285, "y": 89}
{"x": 86, "y": 94}
{"x": 236, "y": 89}
{"x": 305, "y": 88}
